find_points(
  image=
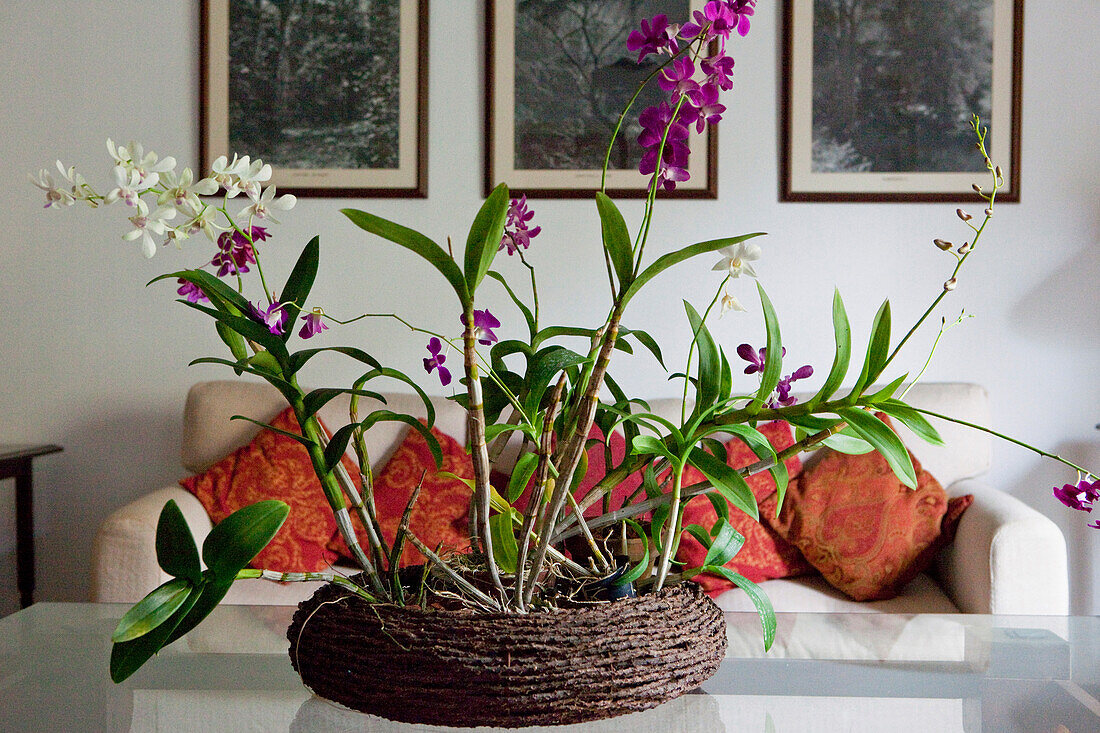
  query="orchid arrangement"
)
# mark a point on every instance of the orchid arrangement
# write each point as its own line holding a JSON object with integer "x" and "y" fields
{"x": 533, "y": 389}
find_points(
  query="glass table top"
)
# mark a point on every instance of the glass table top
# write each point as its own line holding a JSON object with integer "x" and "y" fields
{"x": 826, "y": 672}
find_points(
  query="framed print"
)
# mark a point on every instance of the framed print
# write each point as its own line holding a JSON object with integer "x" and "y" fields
{"x": 558, "y": 76}
{"x": 331, "y": 93}
{"x": 878, "y": 96}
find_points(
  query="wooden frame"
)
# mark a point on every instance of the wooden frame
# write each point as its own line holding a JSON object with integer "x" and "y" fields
{"x": 338, "y": 146}
{"x": 820, "y": 165}
{"x": 610, "y": 74}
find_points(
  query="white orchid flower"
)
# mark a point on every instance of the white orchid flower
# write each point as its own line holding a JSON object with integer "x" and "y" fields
{"x": 736, "y": 259}
{"x": 258, "y": 173}
{"x": 204, "y": 221}
{"x": 130, "y": 186}
{"x": 730, "y": 303}
{"x": 266, "y": 201}
{"x": 146, "y": 225}
{"x": 134, "y": 158}
{"x": 54, "y": 196}
{"x": 184, "y": 192}
{"x": 227, "y": 173}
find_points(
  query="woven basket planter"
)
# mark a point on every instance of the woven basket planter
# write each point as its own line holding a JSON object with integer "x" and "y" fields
{"x": 464, "y": 669}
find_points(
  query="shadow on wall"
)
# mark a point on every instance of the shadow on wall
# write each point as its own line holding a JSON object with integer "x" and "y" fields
{"x": 111, "y": 457}
{"x": 1064, "y": 299}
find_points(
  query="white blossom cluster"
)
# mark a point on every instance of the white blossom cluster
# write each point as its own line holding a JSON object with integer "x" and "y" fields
{"x": 139, "y": 175}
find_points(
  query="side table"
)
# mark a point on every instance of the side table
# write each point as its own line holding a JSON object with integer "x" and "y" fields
{"x": 15, "y": 462}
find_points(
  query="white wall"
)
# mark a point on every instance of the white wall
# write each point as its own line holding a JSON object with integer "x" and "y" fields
{"x": 95, "y": 361}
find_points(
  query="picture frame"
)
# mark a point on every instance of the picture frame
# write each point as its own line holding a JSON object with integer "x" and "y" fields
{"x": 884, "y": 115}
{"x": 338, "y": 119}
{"x": 546, "y": 141}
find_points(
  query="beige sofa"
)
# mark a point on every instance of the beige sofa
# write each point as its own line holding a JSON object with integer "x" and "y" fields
{"x": 1007, "y": 558}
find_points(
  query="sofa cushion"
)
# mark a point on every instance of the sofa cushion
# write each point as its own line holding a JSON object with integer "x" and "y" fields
{"x": 859, "y": 525}
{"x": 765, "y": 554}
{"x": 440, "y": 514}
{"x": 274, "y": 466}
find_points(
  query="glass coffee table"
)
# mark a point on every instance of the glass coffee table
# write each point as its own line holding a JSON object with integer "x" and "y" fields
{"x": 827, "y": 672}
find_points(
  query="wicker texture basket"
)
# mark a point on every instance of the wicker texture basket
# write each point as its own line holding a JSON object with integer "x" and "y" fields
{"x": 464, "y": 669}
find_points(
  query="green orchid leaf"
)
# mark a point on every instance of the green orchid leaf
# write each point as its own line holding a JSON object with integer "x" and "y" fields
{"x": 528, "y": 316}
{"x": 701, "y": 535}
{"x": 759, "y": 599}
{"x": 238, "y": 538}
{"x": 298, "y": 359}
{"x": 177, "y": 554}
{"x": 285, "y": 433}
{"x": 250, "y": 330}
{"x": 485, "y": 235}
{"x": 285, "y": 388}
{"x": 888, "y": 391}
{"x": 727, "y": 543}
{"x": 848, "y": 444}
{"x": 726, "y": 481}
{"x": 381, "y": 371}
{"x": 911, "y": 419}
{"x": 521, "y": 475}
{"x": 647, "y": 341}
{"x": 128, "y": 656}
{"x": 639, "y": 568}
{"x": 413, "y": 240}
{"x": 238, "y": 347}
{"x": 205, "y": 599}
{"x": 763, "y": 449}
{"x": 664, "y": 262}
{"x": 647, "y": 445}
{"x": 338, "y": 443}
{"x": 616, "y": 239}
{"x": 721, "y": 506}
{"x": 884, "y": 440}
{"x": 153, "y": 610}
{"x": 221, "y": 295}
{"x": 842, "y": 333}
{"x": 725, "y": 378}
{"x": 878, "y": 348}
{"x": 318, "y": 398}
{"x": 505, "y": 549}
{"x": 773, "y": 361}
{"x": 710, "y": 363}
{"x": 301, "y": 280}
{"x": 545, "y": 365}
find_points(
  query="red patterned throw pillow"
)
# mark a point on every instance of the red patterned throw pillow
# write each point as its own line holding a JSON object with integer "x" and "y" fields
{"x": 866, "y": 532}
{"x": 274, "y": 466}
{"x": 440, "y": 515}
{"x": 765, "y": 554}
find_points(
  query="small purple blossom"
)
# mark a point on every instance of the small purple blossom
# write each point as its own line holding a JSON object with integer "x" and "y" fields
{"x": 274, "y": 316}
{"x": 484, "y": 323}
{"x": 656, "y": 36}
{"x": 706, "y": 107}
{"x": 517, "y": 235}
{"x": 783, "y": 389}
{"x": 1079, "y": 496}
{"x": 675, "y": 155}
{"x": 435, "y": 361}
{"x": 192, "y": 292}
{"x": 715, "y": 20}
{"x": 719, "y": 70}
{"x": 742, "y": 10}
{"x": 755, "y": 357}
{"x": 235, "y": 251}
{"x": 677, "y": 78}
{"x": 314, "y": 324}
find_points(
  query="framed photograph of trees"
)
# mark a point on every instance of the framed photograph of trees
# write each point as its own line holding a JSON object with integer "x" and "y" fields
{"x": 331, "y": 93}
{"x": 878, "y": 96}
{"x": 558, "y": 75}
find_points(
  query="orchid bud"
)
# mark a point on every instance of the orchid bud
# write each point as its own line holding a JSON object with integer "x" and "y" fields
{"x": 977, "y": 188}
{"x": 988, "y": 212}
{"x": 964, "y": 248}
{"x": 963, "y": 215}
{"x": 998, "y": 172}
{"x": 942, "y": 244}
{"x": 950, "y": 284}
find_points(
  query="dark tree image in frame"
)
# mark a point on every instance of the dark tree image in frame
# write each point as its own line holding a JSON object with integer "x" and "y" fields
{"x": 574, "y": 75}
{"x": 896, "y": 81}
{"x": 315, "y": 83}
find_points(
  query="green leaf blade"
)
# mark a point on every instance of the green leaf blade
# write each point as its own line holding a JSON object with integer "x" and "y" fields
{"x": 616, "y": 239}
{"x": 484, "y": 238}
{"x": 153, "y": 610}
{"x": 238, "y": 538}
{"x": 177, "y": 553}
{"x": 842, "y": 335}
{"x": 884, "y": 440}
{"x": 664, "y": 262}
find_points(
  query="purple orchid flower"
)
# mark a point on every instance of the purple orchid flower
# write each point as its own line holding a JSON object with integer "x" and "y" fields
{"x": 656, "y": 36}
{"x": 705, "y": 105}
{"x": 674, "y": 158}
{"x": 677, "y": 78}
{"x": 314, "y": 324}
{"x": 715, "y": 20}
{"x": 755, "y": 357}
{"x": 783, "y": 389}
{"x": 235, "y": 251}
{"x": 274, "y": 316}
{"x": 742, "y": 10}
{"x": 192, "y": 292}
{"x": 435, "y": 361}
{"x": 517, "y": 235}
{"x": 1079, "y": 496}
{"x": 719, "y": 70}
{"x": 484, "y": 323}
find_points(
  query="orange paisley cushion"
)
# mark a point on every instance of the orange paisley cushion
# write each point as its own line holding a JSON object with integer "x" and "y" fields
{"x": 866, "y": 532}
{"x": 765, "y": 554}
{"x": 274, "y": 466}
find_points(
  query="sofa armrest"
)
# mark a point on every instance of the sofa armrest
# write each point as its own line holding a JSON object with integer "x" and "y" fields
{"x": 124, "y": 558}
{"x": 1007, "y": 558}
